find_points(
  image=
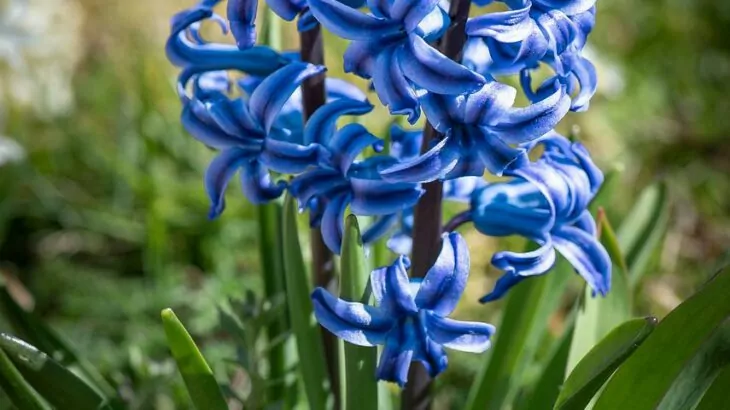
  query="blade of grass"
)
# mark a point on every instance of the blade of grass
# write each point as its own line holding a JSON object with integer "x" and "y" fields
{"x": 58, "y": 385}
{"x": 361, "y": 389}
{"x": 309, "y": 343}
{"x": 201, "y": 384}
{"x": 18, "y": 390}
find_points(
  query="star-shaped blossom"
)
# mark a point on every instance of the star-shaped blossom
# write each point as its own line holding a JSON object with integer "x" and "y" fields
{"x": 391, "y": 46}
{"x": 530, "y": 33}
{"x": 250, "y": 138}
{"x": 187, "y": 49}
{"x": 411, "y": 319}
{"x": 341, "y": 181}
{"x": 546, "y": 202}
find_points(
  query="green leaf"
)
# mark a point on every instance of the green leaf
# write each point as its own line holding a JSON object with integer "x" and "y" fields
{"x": 551, "y": 379}
{"x": 272, "y": 266}
{"x": 643, "y": 229}
{"x": 659, "y": 365}
{"x": 599, "y": 315}
{"x": 528, "y": 307}
{"x": 716, "y": 396}
{"x": 201, "y": 384}
{"x": 361, "y": 387}
{"x": 37, "y": 333}
{"x": 17, "y": 389}
{"x": 601, "y": 361}
{"x": 59, "y": 386}
{"x": 308, "y": 339}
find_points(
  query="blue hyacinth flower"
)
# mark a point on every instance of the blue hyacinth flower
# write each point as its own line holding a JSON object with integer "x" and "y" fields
{"x": 391, "y": 46}
{"x": 187, "y": 49}
{"x": 411, "y": 319}
{"x": 249, "y": 137}
{"x": 547, "y": 203}
{"x": 341, "y": 181}
{"x": 533, "y": 33}
{"x": 482, "y": 131}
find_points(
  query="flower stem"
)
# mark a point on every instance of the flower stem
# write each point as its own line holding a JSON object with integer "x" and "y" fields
{"x": 313, "y": 97}
{"x": 427, "y": 217}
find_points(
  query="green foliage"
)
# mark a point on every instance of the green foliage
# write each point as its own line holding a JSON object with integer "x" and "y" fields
{"x": 18, "y": 390}
{"x": 202, "y": 385}
{"x": 674, "y": 366}
{"x": 59, "y": 386}
{"x": 309, "y": 346}
{"x": 599, "y": 363}
{"x": 361, "y": 388}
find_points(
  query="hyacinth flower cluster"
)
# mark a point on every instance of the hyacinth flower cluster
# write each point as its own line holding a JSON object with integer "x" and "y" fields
{"x": 245, "y": 101}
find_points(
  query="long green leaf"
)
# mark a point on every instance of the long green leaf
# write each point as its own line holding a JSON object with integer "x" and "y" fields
{"x": 37, "y": 333}
{"x": 361, "y": 388}
{"x": 599, "y": 315}
{"x": 59, "y": 386}
{"x": 699, "y": 373}
{"x": 715, "y": 397}
{"x": 643, "y": 229}
{"x": 272, "y": 266}
{"x": 601, "y": 361}
{"x": 525, "y": 318}
{"x": 306, "y": 331}
{"x": 17, "y": 389}
{"x": 551, "y": 379}
{"x": 644, "y": 380}
{"x": 201, "y": 384}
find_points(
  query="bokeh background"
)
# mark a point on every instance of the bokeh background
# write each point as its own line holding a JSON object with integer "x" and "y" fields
{"x": 103, "y": 218}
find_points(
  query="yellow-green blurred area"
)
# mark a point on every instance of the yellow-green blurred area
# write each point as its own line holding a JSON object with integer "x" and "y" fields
{"x": 103, "y": 217}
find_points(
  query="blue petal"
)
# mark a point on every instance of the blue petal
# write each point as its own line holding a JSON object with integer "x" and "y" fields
{"x": 395, "y": 360}
{"x": 219, "y": 172}
{"x": 234, "y": 118}
{"x": 519, "y": 266}
{"x": 359, "y": 57}
{"x": 210, "y": 134}
{"x": 316, "y": 182}
{"x": 587, "y": 255}
{"x": 257, "y": 184}
{"x": 585, "y": 74}
{"x": 338, "y": 88}
{"x": 391, "y": 288}
{"x": 379, "y": 228}
{"x": 461, "y": 189}
{"x": 431, "y": 70}
{"x": 436, "y": 107}
{"x": 378, "y": 197}
{"x": 524, "y": 124}
{"x": 242, "y": 18}
{"x": 497, "y": 156}
{"x": 333, "y": 221}
{"x": 594, "y": 174}
{"x": 411, "y": 12}
{"x": 321, "y": 125}
{"x": 285, "y": 9}
{"x": 517, "y": 207}
{"x": 445, "y": 281}
{"x": 472, "y": 337}
{"x": 347, "y": 144}
{"x": 429, "y": 353}
{"x": 356, "y": 323}
{"x": 392, "y": 87}
{"x": 432, "y": 165}
{"x": 568, "y": 7}
{"x": 401, "y": 243}
{"x": 506, "y": 27}
{"x": 268, "y": 98}
{"x": 586, "y": 223}
{"x": 289, "y": 158}
{"x": 306, "y": 21}
{"x": 350, "y": 23}
{"x": 405, "y": 144}
{"x": 488, "y": 104}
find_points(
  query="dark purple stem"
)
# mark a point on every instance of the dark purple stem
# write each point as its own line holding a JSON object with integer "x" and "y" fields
{"x": 313, "y": 97}
{"x": 458, "y": 220}
{"x": 427, "y": 216}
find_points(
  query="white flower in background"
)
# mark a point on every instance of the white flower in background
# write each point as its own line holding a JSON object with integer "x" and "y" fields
{"x": 41, "y": 43}
{"x": 10, "y": 151}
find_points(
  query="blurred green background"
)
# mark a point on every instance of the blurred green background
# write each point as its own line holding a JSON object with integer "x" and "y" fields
{"x": 103, "y": 218}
